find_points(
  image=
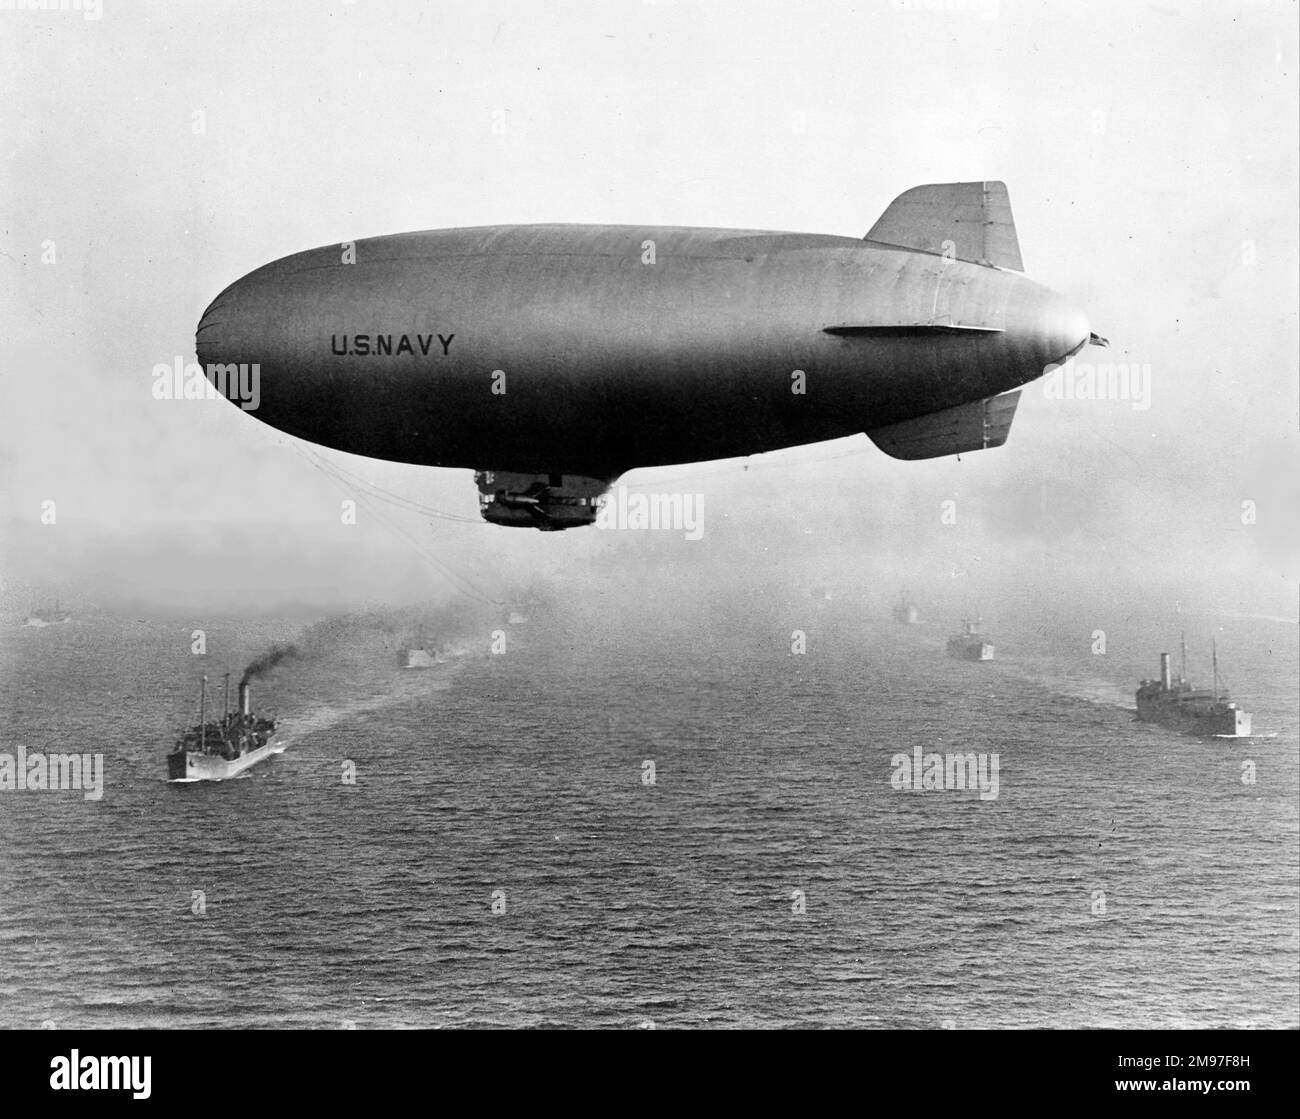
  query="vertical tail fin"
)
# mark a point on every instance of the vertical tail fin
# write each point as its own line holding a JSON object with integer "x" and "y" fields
{"x": 971, "y": 221}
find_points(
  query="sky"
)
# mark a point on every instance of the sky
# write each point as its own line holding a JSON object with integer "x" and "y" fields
{"x": 160, "y": 151}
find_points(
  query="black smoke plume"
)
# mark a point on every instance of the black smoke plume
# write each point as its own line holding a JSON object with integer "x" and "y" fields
{"x": 268, "y": 660}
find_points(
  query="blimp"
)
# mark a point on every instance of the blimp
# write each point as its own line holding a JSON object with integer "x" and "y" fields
{"x": 552, "y": 359}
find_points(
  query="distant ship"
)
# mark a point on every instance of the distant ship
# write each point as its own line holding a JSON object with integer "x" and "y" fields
{"x": 216, "y": 751}
{"x": 1179, "y": 706}
{"x": 50, "y": 616}
{"x": 906, "y": 611}
{"x": 421, "y": 654}
{"x": 417, "y": 658}
{"x": 969, "y": 645}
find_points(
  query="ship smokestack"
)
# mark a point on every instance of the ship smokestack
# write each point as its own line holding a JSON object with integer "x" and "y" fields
{"x": 245, "y": 706}
{"x": 1166, "y": 679}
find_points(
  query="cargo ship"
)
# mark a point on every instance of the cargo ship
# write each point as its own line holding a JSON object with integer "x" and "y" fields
{"x": 969, "y": 645}
{"x": 906, "y": 612}
{"x": 48, "y": 616}
{"x": 1179, "y": 706}
{"x": 420, "y": 654}
{"x": 224, "y": 748}
{"x": 417, "y": 658}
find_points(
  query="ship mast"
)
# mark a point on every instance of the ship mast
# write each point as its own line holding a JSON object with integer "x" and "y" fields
{"x": 1184, "y": 675}
{"x": 203, "y": 716}
{"x": 1214, "y": 659}
{"x": 225, "y": 714}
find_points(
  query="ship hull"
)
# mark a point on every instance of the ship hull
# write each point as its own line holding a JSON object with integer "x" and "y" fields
{"x": 1232, "y": 723}
{"x": 191, "y": 766}
{"x": 970, "y": 651}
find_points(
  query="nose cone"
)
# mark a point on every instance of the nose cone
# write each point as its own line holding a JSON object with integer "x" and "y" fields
{"x": 213, "y": 336}
{"x": 1049, "y": 328}
{"x": 237, "y": 350}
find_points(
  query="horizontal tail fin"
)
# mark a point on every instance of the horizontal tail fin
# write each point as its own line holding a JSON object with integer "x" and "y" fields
{"x": 968, "y": 427}
{"x": 969, "y": 221}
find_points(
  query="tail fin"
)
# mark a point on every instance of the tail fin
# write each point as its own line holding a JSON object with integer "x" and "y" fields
{"x": 968, "y": 427}
{"x": 971, "y": 221}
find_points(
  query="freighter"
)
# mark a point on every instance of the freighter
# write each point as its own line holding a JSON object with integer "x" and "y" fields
{"x": 969, "y": 645}
{"x": 906, "y": 611}
{"x": 224, "y": 748}
{"x": 419, "y": 654}
{"x": 48, "y": 616}
{"x": 1179, "y": 706}
{"x": 416, "y": 658}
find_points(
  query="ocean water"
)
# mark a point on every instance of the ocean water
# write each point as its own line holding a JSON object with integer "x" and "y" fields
{"x": 770, "y": 876}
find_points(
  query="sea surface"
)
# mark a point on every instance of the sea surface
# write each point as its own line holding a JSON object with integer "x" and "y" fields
{"x": 502, "y": 858}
